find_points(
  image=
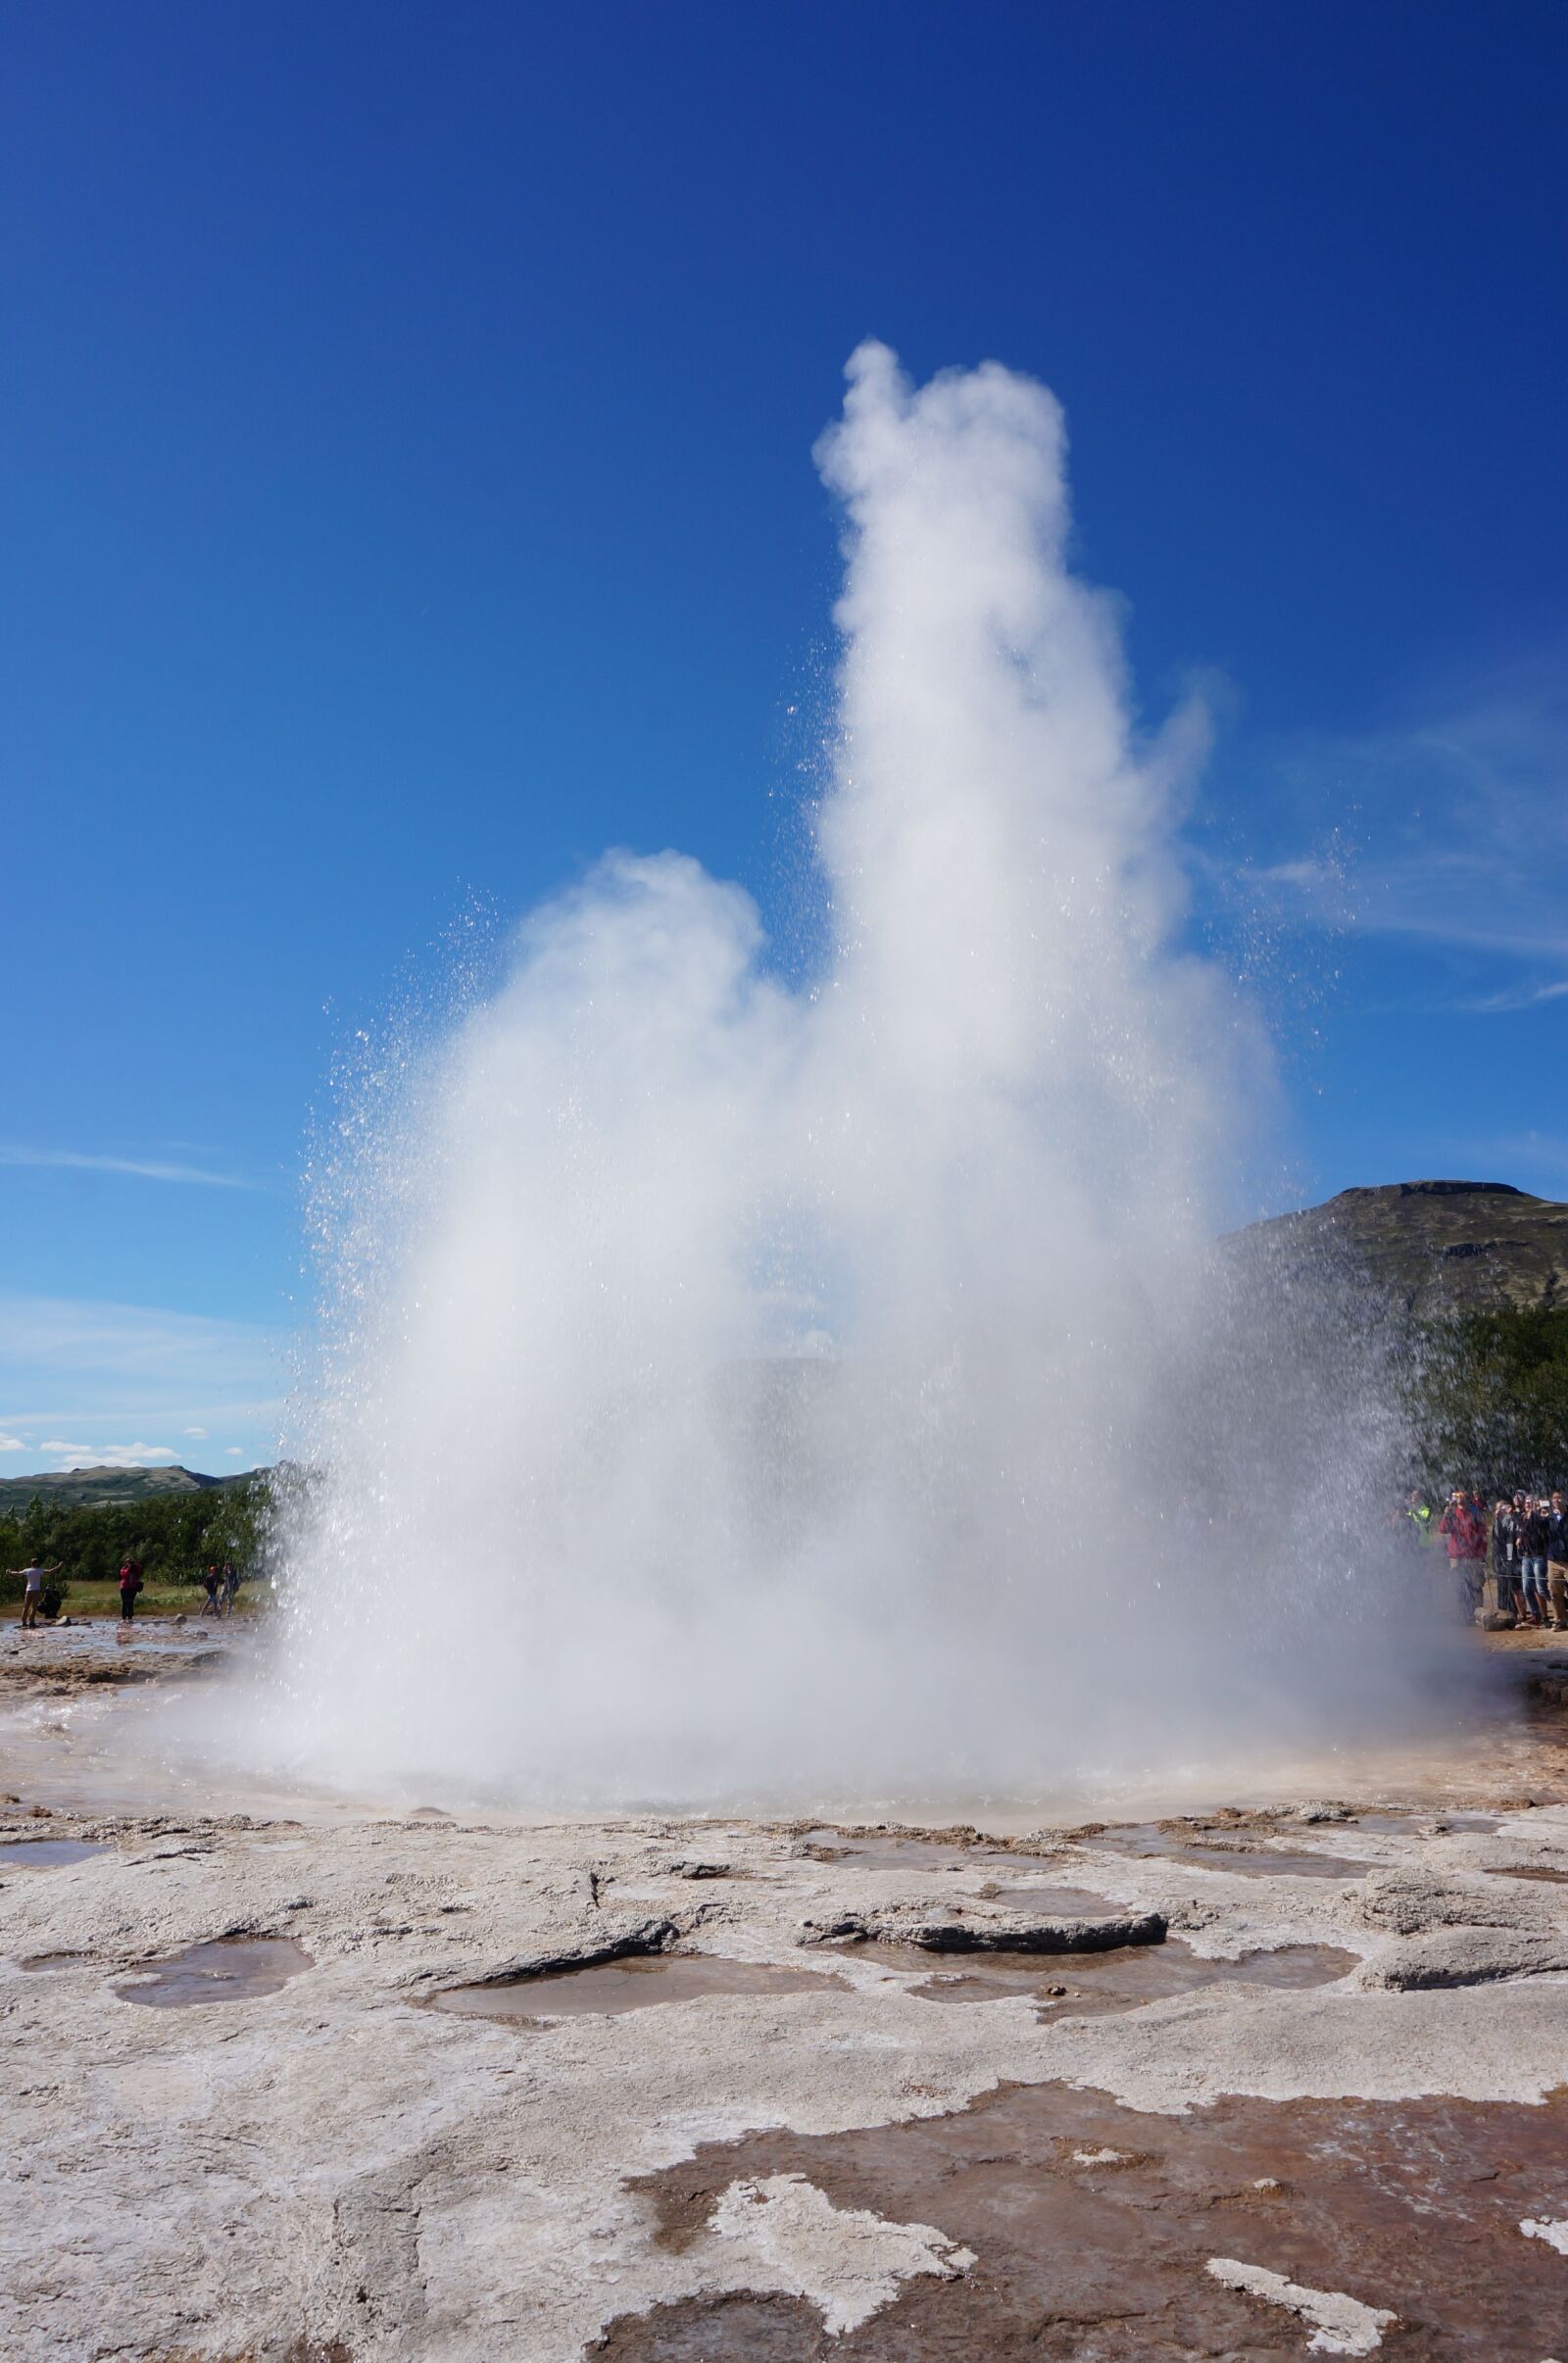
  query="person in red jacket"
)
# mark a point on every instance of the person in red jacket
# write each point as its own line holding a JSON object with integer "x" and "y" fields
{"x": 130, "y": 1585}
{"x": 1465, "y": 1523}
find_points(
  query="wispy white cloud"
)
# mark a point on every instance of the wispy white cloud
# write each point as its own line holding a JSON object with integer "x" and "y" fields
{"x": 105, "y": 1455}
{"x": 12, "y": 1444}
{"x": 1520, "y": 997}
{"x": 1449, "y": 827}
{"x": 77, "y": 1375}
{"x": 77, "y": 1160}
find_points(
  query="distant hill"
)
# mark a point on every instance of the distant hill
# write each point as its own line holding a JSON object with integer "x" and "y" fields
{"x": 104, "y": 1488}
{"x": 1429, "y": 1246}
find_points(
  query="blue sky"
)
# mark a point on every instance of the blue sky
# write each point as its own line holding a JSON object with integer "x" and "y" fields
{"x": 408, "y": 493}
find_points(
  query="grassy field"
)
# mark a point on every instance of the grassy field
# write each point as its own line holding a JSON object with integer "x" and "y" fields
{"x": 155, "y": 1600}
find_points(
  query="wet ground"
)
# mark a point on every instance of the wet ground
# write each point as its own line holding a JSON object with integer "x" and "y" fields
{"x": 1122, "y": 1978}
{"x": 1217, "y": 1851}
{"x": 45, "y": 1854}
{"x": 635, "y": 1984}
{"x": 232, "y": 1969}
{"x": 1093, "y": 2227}
{"x": 443, "y": 2084}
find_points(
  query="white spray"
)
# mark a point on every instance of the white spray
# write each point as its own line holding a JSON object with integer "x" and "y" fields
{"x": 735, "y": 1393}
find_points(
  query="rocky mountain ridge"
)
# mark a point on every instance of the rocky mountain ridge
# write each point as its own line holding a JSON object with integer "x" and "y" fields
{"x": 1430, "y": 1248}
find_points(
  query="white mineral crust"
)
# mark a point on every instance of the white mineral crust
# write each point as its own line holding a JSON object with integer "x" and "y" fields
{"x": 1341, "y": 2326}
{"x": 847, "y": 2261}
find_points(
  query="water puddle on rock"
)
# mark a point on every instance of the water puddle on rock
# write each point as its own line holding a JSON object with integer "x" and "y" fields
{"x": 1527, "y": 1870}
{"x": 604, "y": 1989}
{"x": 1065, "y": 1903}
{"x": 1083, "y": 1985}
{"x": 47, "y": 1854}
{"x": 54, "y": 1960}
{"x": 887, "y": 1850}
{"x": 230, "y": 1969}
{"x": 1426, "y": 1825}
{"x": 1221, "y": 1853}
{"x": 1095, "y": 2224}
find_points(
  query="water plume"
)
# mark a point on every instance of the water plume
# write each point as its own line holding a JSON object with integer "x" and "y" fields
{"x": 736, "y": 1392}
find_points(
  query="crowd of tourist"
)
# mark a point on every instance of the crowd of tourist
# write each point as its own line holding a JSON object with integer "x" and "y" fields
{"x": 1509, "y": 1563}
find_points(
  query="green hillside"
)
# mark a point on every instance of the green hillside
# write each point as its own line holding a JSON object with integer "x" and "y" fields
{"x": 103, "y": 1488}
{"x": 1431, "y": 1248}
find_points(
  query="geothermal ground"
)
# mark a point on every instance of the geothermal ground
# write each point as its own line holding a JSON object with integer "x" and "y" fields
{"x": 316, "y": 2085}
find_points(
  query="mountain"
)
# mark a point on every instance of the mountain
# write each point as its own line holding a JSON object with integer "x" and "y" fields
{"x": 100, "y": 1488}
{"x": 1429, "y": 1246}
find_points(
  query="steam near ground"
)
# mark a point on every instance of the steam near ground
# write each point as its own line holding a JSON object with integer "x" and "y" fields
{"x": 735, "y": 1392}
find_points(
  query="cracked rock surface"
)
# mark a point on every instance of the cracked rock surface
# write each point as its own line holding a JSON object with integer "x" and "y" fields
{"x": 330, "y": 2171}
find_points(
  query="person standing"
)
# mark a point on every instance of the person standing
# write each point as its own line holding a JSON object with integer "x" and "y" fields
{"x": 230, "y": 1586}
{"x": 130, "y": 1583}
{"x": 1501, "y": 1550}
{"x": 1558, "y": 1562}
{"x": 1463, "y": 1524}
{"x": 1534, "y": 1532}
{"x": 210, "y": 1583}
{"x": 33, "y": 1576}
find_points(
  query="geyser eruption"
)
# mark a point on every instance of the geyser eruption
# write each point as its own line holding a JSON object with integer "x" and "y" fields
{"x": 736, "y": 1393}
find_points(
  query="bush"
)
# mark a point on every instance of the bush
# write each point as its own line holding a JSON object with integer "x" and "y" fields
{"x": 174, "y": 1537}
{"x": 1490, "y": 1402}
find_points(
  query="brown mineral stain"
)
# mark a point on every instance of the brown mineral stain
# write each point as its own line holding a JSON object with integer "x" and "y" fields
{"x": 1413, "y": 2205}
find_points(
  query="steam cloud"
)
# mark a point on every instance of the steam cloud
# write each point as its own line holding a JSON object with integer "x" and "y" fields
{"x": 736, "y": 1394}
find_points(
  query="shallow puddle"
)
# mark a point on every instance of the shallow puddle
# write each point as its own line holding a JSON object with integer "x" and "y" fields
{"x": 607, "y": 1987}
{"x": 1433, "y": 1825}
{"x": 1527, "y": 1870}
{"x": 1221, "y": 1855}
{"x": 54, "y": 1960}
{"x": 1065, "y": 1903}
{"x": 883, "y": 1851}
{"x": 47, "y": 1854}
{"x": 1093, "y": 2225}
{"x": 1088, "y": 1983}
{"x": 230, "y": 1969}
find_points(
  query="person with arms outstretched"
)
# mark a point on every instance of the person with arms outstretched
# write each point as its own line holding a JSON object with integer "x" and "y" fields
{"x": 32, "y": 1577}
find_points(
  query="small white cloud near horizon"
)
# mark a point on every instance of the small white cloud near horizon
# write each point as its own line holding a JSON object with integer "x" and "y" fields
{"x": 76, "y": 1369}
{"x": 13, "y": 1444}
{"x": 141, "y": 1168}
{"x": 107, "y": 1455}
{"x": 235, "y": 1451}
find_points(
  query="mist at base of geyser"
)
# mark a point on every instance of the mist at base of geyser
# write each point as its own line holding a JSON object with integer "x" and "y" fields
{"x": 738, "y": 1395}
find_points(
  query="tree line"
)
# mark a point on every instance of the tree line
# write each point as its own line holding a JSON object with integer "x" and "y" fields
{"x": 1486, "y": 1406}
{"x": 1489, "y": 1402}
{"x": 174, "y": 1535}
